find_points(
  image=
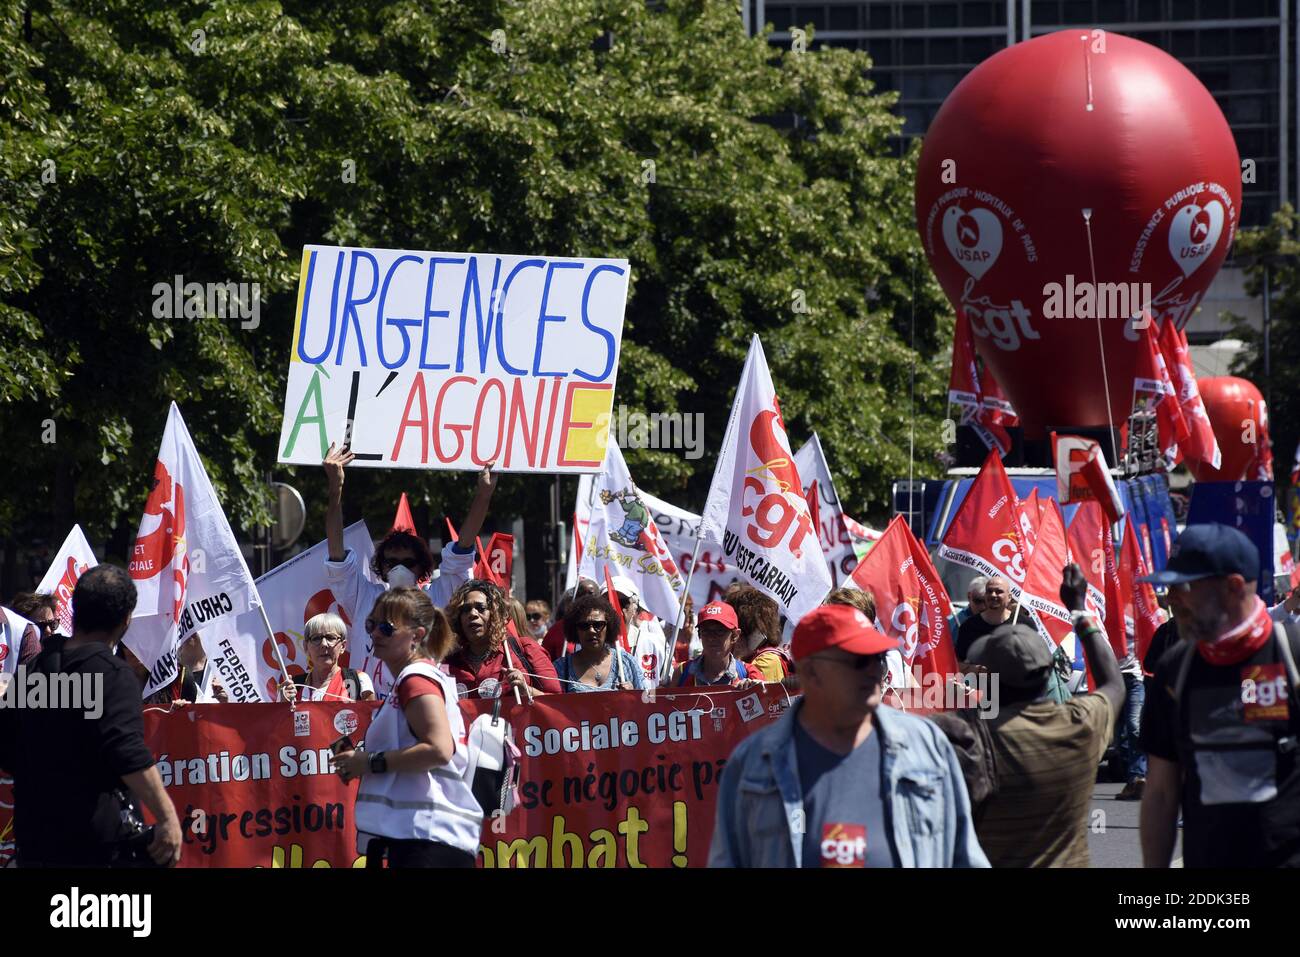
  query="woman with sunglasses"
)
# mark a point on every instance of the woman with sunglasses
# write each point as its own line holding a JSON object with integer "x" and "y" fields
{"x": 414, "y": 805}
{"x": 325, "y": 639}
{"x": 597, "y": 664}
{"x": 490, "y": 660}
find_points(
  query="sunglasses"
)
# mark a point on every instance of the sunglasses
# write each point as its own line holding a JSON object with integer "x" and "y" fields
{"x": 385, "y": 628}
{"x": 535, "y": 616}
{"x": 47, "y": 625}
{"x": 857, "y": 662}
{"x": 596, "y": 626}
{"x": 328, "y": 639}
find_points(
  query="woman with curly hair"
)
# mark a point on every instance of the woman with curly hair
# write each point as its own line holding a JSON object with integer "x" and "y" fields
{"x": 597, "y": 663}
{"x": 491, "y": 660}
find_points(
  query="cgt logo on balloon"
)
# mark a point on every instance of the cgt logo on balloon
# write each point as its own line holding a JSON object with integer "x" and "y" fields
{"x": 974, "y": 236}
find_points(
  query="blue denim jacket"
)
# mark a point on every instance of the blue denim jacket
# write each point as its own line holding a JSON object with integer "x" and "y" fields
{"x": 759, "y": 796}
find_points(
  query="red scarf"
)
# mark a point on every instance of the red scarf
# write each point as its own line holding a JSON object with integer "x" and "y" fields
{"x": 1235, "y": 646}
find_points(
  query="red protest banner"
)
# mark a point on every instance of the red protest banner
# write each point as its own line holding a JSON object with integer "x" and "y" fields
{"x": 619, "y": 779}
{"x": 259, "y": 777}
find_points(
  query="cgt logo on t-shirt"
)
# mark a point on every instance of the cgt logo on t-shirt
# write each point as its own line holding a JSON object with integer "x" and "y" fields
{"x": 844, "y": 845}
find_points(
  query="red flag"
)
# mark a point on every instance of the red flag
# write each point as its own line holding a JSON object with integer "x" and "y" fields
{"x": 402, "y": 521}
{"x": 1142, "y": 614}
{"x": 1152, "y": 387}
{"x": 1030, "y": 513}
{"x": 912, "y": 606}
{"x": 1093, "y": 550}
{"x": 1200, "y": 445}
{"x": 451, "y": 530}
{"x": 1082, "y": 475}
{"x": 985, "y": 533}
{"x": 1042, "y": 588}
{"x": 983, "y": 405}
{"x": 497, "y": 560}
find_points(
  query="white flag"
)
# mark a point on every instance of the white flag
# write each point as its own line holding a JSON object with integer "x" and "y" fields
{"x": 72, "y": 561}
{"x": 827, "y": 512}
{"x": 292, "y": 593}
{"x": 581, "y": 518}
{"x": 756, "y": 509}
{"x": 622, "y": 535}
{"x": 187, "y": 566}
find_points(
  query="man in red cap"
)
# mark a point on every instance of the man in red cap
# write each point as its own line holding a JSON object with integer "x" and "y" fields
{"x": 719, "y": 631}
{"x": 840, "y": 780}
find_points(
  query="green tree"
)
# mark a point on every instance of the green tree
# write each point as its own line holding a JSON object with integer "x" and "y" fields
{"x": 752, "y": 189}
{"x": 1274, "y": 248}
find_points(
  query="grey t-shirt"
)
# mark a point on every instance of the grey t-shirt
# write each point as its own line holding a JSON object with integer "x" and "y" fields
{"x": 844, "y": 810}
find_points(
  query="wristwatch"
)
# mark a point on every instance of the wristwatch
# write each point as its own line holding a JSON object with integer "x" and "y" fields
{"x": 378, "y": 763}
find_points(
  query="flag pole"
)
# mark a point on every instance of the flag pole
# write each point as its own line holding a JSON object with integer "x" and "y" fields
{"x": 681, "y": 606}
{"x": 275, "y": 646}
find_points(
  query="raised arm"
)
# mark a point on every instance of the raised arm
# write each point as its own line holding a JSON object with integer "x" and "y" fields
{"x": 335, "y": 460}
{"x": 478, "y": 509}
{"x": 1100, "y": 657}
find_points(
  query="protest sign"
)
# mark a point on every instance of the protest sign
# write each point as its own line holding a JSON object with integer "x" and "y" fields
{"x": 608, "y": 780}
{"x": 451, "y": 361}
{"x": 75, "y": 556}
{"x": 260, "y": 779}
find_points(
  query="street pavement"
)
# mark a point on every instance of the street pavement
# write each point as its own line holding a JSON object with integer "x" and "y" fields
{"x": 1113, "y": 830}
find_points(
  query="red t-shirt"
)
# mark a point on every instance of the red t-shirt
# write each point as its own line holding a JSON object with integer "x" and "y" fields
{"x": 417, "y": 686}
{"x": 540, "y": 673}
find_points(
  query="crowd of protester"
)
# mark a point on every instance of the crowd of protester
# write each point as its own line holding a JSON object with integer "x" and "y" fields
{"x": 1010, "y": 788}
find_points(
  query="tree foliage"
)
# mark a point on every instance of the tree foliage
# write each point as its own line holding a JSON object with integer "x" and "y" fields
{"x": 144, "y": 140}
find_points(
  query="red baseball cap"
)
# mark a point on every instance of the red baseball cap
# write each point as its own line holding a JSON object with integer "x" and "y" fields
{"x": 720, "y": 612}
{"x": 837, "y": 626}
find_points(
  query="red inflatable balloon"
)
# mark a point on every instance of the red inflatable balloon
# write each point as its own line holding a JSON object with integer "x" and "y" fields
{"x": 1239, "y": 418}
{"x": 1061, "y": 139}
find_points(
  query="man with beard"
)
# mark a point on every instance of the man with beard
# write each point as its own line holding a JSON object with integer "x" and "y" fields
{"x": 1221, "y": 727}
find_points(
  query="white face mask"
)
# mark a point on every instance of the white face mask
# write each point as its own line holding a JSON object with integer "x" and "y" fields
{"x": 538, "y": 629}
{"x": 399, "y": 576}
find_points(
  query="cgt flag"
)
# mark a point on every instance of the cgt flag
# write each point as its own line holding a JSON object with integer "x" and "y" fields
{"x": 1093, "y": 550}
{"x": 623, "y": 537}
{"x": 75, "y": 556}
{"x": 912, "y": 605}
{"x": 756, "y": 510}
{"x": 1082, "y": 475}
{"x": 983, "y": 406}
{"x": 825, "y": 508}
{"x": 1154, "y": 388}
{"x": 189, "y": 572}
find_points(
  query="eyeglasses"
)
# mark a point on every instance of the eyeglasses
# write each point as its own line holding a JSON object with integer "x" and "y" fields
{"x": 332, "y": 639}
{"x": 596, "y": 626}
{"x": 856, "y": 662}
{"x": 535, "y": 616}
{"x": 477, "y": 606}
{"x": 385, "y": 628}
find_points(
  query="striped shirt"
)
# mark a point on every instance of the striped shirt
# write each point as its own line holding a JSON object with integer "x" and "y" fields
{"x": 1047, "y": 754}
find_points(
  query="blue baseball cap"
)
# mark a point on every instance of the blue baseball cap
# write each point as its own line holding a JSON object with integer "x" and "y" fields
{"x": 1208, "y": 551}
